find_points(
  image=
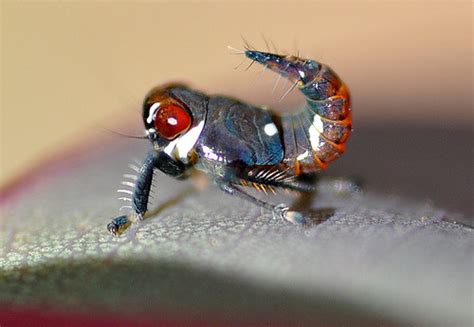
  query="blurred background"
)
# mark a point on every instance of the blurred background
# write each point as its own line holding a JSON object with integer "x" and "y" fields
{"x": 70, "y": 71}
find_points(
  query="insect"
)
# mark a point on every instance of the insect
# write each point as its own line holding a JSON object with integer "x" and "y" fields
{"x": 239, "y": 145}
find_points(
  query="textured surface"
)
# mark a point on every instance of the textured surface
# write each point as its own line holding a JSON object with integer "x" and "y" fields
{"x": 370, "y": 258}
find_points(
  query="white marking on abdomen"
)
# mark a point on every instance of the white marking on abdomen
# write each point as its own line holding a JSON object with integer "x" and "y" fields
{"x": 315, "y": 131}
{"x": 303, "y": 156}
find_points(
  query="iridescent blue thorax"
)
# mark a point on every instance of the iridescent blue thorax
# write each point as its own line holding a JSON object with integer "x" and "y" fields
{"x": 238, "y": 133}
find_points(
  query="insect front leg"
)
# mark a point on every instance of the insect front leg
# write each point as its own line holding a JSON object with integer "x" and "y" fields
{"x": 142, "y": 186}
{"x": 280, "y": 211}
{"x": 140, "y": 195}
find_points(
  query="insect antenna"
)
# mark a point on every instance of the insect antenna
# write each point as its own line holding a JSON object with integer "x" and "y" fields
{"x": 144, "y": 137}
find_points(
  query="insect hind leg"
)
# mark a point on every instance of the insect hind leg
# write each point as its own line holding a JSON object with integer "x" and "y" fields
{"x": 280, "y": 211}
{"x": 338, "y": 186}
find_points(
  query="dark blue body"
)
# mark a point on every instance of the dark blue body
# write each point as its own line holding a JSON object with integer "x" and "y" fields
{"x": 233, "y": 135}
{"x": 237, "y": 144}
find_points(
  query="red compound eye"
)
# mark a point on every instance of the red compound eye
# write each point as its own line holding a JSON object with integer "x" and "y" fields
{"x": 172, "y": 120}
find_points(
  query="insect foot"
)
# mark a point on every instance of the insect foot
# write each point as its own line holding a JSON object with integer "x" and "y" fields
{"x": 281, "y": 211}
{"x": 118, "y": 225}
{"x": 121, "y": 223}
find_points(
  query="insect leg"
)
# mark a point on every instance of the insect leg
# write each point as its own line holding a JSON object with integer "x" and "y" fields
{"x": 142, "y": 186}
{"x": 170, "y": 166}
{"x": 280, "y": 211}
{"x": 298, "y": 186}
{"x": 311, "y": 184}
{"x": 140, "y": 194}
{"x": 235, "y": 190}
{"x": 339, "y": 185}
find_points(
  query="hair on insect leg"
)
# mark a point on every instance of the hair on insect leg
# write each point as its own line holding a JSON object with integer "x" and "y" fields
{"x": 134, "y": 168}
{"x": 130, "y": 176}
{"x": 130, "y": 184}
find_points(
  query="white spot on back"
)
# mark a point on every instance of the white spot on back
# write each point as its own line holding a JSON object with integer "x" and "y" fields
{"x": 270, "y": 129}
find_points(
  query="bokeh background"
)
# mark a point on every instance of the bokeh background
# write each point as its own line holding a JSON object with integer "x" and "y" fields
{"x": 72, "y": 70}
